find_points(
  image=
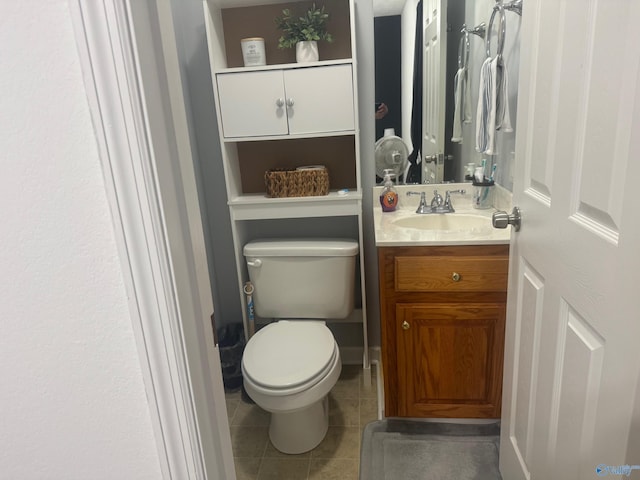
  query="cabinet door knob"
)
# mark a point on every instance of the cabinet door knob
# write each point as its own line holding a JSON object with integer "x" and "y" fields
{"x": 455, "y": 277}
{"x": 289, "y": 102}
{"x": 405, "y": 325}
{"x": 280, "y": 103}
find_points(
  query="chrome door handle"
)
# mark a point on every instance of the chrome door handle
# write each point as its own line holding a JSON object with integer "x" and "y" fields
{"x": 290, "y": 102}
{"x": 280, "y": 103}
{"x": 437, "y": 158}
{"x": 502, "y": 219}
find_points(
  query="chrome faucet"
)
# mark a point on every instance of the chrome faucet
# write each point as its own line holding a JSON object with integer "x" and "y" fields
{"x": 438, "y": 204}
{"x": 436, "y": 201}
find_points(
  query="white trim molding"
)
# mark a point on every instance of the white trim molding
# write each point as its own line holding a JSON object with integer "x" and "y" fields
{"x": 191, "y": 431}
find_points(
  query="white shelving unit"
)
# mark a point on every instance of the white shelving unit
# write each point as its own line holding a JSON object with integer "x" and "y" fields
{"x": 285, "y": 115}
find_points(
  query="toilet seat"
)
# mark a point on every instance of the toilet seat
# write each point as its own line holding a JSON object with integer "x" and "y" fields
{"x": 287, "y": 357}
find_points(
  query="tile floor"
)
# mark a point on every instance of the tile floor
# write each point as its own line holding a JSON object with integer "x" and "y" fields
{"x": 351, "y": 407}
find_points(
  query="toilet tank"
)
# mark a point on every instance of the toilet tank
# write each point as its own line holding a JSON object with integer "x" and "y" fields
{"x": 302, "y": 278}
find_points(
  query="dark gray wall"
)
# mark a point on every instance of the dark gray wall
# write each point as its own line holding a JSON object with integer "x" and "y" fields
{"x": 203, "y": 127}
{"x": 388, "y": 73}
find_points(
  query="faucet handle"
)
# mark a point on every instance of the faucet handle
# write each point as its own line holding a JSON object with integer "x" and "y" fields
{"x": 449, "y": 192}
{"x": 447, "y": 199}
{"x": 415, "y": 193}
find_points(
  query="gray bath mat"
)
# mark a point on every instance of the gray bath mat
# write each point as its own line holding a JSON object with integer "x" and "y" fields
{"x": 394, "y": 449}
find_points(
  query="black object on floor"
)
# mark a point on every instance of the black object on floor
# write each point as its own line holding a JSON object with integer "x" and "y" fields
{"x": 399, "y": 449}
{"x": 231, "y": 346}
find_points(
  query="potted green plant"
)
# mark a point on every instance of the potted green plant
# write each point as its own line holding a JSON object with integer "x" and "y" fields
{"x": 304, "y": 32}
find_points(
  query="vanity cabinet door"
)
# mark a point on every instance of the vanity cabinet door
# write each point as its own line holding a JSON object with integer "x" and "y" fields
{"x": 449, "y": 359}
{"x": 443, "y": 312}
{"x": 252, "y": 104}
{"x": 320, "y": 99}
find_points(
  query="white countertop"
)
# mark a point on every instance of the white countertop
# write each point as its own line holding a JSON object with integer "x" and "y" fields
{"x": 388, "y": 234}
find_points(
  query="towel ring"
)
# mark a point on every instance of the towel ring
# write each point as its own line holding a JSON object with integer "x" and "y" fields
{"x": 464, "y": 45}
{"x": 515, "y": 6}
{"x": 501, "y": 31}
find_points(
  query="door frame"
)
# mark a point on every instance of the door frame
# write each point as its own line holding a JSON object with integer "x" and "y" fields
{"x": 140, "y": 126}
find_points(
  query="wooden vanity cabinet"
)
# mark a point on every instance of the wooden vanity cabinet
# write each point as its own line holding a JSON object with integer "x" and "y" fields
{"x": 443, "y": 319}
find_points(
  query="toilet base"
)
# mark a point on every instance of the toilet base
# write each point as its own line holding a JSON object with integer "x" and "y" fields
{"x": 301, "y": 430}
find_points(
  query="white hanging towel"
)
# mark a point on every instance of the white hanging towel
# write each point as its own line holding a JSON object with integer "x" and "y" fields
{"x": 493, "y": 104}
{"x": 462, "y": 101}
{"x": 486, "y": 111}
{"x": 503, "y": 121}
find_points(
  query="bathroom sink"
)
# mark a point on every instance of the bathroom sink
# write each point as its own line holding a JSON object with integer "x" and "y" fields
{"x": 445, "y": 222}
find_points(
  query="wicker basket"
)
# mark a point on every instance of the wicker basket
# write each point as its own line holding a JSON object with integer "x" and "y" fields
{"x": 306, "y": 182}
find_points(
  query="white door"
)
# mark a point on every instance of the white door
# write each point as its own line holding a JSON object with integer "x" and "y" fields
{"x": 252, "y": 104}
{"x": 573, "y": 322}
{"x": 319, "y": 99}
{"x": 434, "y": 70}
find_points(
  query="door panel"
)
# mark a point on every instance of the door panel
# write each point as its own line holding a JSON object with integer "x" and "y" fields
{"x": 526, "y": 358}
{"x": 580, "y": 373}
{"x": 572, "y": 321}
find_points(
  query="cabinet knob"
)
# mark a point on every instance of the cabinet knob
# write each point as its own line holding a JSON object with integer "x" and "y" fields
{"x": 406, "y": 325}
{"x": 455, "y": 277}
{"x": 280, "y": 103}
{"x": 289, "y": 102}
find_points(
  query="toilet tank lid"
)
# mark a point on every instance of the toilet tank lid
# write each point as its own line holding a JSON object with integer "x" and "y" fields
{"x": 302, "y": 247}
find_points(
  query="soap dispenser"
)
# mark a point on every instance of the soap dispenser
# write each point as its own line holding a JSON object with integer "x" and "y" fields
{"x": 389, "y": 196}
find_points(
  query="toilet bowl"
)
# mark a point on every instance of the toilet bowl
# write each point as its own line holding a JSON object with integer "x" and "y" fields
{"x": 290, "y": 365}
{"x": 289, "y": 368}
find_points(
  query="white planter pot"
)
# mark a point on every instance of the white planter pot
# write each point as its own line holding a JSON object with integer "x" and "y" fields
{"x": 307, "y": 52}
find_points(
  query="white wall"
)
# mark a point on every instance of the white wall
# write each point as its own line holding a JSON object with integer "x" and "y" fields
{"x": 72, "y": 397}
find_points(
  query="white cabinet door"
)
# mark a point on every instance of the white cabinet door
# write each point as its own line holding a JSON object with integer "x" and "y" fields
{"x": 290, "y": 102}
{"x": 252, "y": 104}
{"x": 319, "y": 99}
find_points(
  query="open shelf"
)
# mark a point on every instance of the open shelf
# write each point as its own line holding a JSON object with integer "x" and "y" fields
{"x": 257, "y": 206}
{"x": 285, "y": 66}
{"x": 259, "y": 21}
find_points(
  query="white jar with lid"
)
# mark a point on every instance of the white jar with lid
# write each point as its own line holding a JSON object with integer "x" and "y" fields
{"x": 253, "y": 51}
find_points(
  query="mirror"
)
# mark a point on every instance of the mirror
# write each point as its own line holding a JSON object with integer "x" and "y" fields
{"x": 394, "y": 35}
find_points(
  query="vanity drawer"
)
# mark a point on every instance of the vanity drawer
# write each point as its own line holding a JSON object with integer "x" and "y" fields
{"x": 451, "y": 274}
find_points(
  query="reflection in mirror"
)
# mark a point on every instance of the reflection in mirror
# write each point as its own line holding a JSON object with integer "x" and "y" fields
{"x": 395, "y": 34}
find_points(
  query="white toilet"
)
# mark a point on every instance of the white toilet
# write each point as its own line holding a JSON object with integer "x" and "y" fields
{"x": 289, "y": 366}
